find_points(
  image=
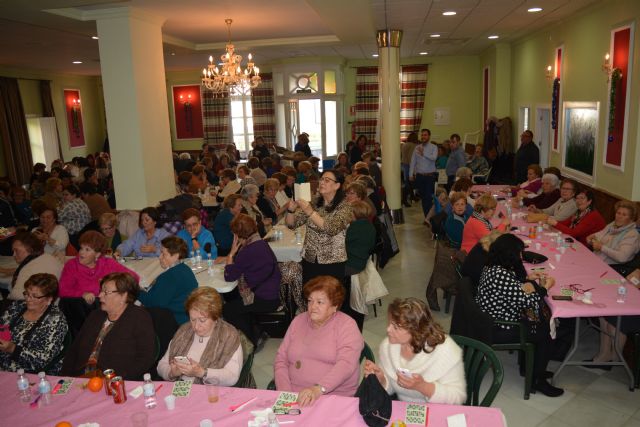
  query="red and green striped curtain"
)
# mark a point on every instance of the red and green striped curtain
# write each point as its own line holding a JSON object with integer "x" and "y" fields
{"x": 263, "y": 109}
{"x": 412, "y": 91}
{"x": 215, "y": 117}
{"x": 367, "y": 103}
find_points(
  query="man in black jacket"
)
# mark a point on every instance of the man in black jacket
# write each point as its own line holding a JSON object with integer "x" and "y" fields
{"x": 527, "y": 154}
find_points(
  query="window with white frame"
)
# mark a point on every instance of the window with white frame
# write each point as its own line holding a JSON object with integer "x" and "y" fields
{"x": 241, "y": 119}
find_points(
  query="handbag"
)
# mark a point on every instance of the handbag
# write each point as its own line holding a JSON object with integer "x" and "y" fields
{"x": 533, "y": 257}
{"x": 375, "y": 403}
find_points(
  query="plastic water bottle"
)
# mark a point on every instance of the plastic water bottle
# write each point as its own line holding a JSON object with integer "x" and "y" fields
{"x": 193, "y": 259}
{"x": 209, "y": 260}
{"x": 508, "y": 208}
{"x": 149, "y": 392}
{"x": 622, "y": 292}
{"x": 24, "y": 391}
{"x": 198, "y": 258}
{"x": 44, "y": 388}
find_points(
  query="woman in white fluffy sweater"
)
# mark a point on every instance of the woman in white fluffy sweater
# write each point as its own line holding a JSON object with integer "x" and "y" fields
{"x": 418, "y": 361}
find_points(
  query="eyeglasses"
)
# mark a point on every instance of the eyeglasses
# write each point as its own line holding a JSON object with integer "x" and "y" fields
{"x": 27, "y": 295}
{"x": 104, "y": 292}
{"x": 327, "y": 179}
{"x": 577, "y": 288}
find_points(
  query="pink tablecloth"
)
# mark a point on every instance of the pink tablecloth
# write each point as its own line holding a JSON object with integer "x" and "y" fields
{"x": 82, "y": 406}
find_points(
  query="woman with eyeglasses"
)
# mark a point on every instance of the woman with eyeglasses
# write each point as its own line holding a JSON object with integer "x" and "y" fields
{"x": 586, "y": 220}
{"x": 119, "y": 336}
{"x": 565, "y": 206}
{"x": 206, "y": 346}
{"x": 418, "y": 361}
{"x": 108, "y": 223}
{"x": 35, "y": 328}
{"x": 327, "y": 219}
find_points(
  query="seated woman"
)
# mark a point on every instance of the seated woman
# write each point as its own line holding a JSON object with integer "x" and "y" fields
{"x": 321, "y": 349}
{"x": 196, "y": 236}
{"x": 198, "y": 177}
{"x": 343, "y": 161}
{"x": 53, "y": 193}
{"x": 532, "y": 185}
{"x": 456, "y": 219}
{"x": 478, "y": 163}
{"x": 119, "y": 336}
{"x": 565, "y": 206}
{"x": 357, "y": 191}
{"x": 211, "y": 345}
{"x": 108, "y": 223}
{"x": 244, "y": 176}
{"x": 228, "y": 184}
{"x": 550, "y": 193}
{"x": 585, "y": 222}
{"x": 619, "y": 241}
{"x": 37, "y": 328}
{"x": 172, "y": 287}
{"x": 476, "y": 260}
{"x": 250, "y": 193}
{"x": 268, "y": 202}
{"x": 145, "y": 242}
{"x": 462, "y": 185}
{"x": 73, "y": 214}
{"x": 416, "y": 342}
{"x": 53, "y": 235}
{"x": 231, "y": 207}
{"x": 28, "y": 254}
{"x": 479, "y": 224}
{"x": 506, "y": 292}
{"x": 252, "y": 259}
{"x": 256, "y": 172}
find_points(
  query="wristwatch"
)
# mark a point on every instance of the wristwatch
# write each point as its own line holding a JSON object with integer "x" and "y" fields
{"x": 322, "y": 389}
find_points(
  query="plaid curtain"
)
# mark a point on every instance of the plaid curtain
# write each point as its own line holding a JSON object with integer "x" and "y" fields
{"x": 367, "y": 103}
{"x": 263, "y": 108}
{"x": 216, "y": 117}
{"x": 412, "y": 91}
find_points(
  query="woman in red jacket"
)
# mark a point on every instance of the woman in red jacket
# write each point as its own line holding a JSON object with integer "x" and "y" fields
{"x": 584, "y": 222}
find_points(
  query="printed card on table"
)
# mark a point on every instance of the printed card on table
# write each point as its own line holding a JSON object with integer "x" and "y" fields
{"x": 610, "y": 281}
{"x": 65, "y": 387}
{"x": 302, "y": 191}
{"x": 182, "y": 388}
{"x": 416, "y": 414}
{"x": 283, "y": 399}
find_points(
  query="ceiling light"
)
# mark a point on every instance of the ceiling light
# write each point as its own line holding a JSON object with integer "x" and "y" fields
{"x": 449, "y": 13}
{"x": 493, "y": 37}
{"x": 424, "y": 53}
{"x": 173, "y": 54}
{"x": 534, "y": 9}
{"x": 77, "y": 62}
{"x": 230, "y": 76}
{"x": 434, "y": 35}
{"x": 375, "y": 55}
{"x": 94, "y": 37}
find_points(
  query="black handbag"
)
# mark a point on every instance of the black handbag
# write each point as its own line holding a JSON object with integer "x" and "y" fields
{"x": 533, "y": 257}
{"x": 375, "y": 403}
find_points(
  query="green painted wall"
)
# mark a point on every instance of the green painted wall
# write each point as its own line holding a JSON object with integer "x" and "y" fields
{"x": 92, "y": 106}
{"x": 586, "y": 38}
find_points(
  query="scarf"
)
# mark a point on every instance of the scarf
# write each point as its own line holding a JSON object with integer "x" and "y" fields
{"x": 24, "y": 262}
{"x": 482, "y": 219}
{"x": 616, "y": 233}
{"x": 223, "y": 342}
{"x": 579, "y": 217}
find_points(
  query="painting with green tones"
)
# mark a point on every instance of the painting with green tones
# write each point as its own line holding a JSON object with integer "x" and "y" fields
{"x": 580, "y": 132}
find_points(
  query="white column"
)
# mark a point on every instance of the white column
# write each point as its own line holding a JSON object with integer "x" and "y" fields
{"x": 389, "y": 75}
{"x": 135, "y": 95}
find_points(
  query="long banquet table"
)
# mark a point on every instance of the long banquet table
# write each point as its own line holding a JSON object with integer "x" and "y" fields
{"x": 83, "y": 406}
{"x": 286, "y": 249}
{"x": 579, "y": 268}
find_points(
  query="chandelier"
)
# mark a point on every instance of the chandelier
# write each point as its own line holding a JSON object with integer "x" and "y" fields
{"x": 230, "y": 75}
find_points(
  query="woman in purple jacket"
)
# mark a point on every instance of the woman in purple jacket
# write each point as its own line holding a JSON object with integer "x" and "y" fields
{"x": 253, "y": 262}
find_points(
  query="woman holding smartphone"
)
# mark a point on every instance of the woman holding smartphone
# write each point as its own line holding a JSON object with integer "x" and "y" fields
{"x": 206, "y": 347}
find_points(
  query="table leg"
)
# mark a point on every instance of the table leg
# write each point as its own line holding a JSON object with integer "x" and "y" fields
{"x": 619, "y": 353}
{"x": 572, "y": 350}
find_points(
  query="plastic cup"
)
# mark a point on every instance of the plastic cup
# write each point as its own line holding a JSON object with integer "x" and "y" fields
{"x": 587, "y": 296}
{"x": 513, "y": 217}
{"x": 206, "y": 423}
{"x": 523, "y": 229}
{"x": 538, "y": 246}
{"x": 170, "y": 401}
{"x": 562, "y": 249}
{"x": 558, "y": 257}
{"x": 139, "y": 419}
{"x": 213, "y": 389}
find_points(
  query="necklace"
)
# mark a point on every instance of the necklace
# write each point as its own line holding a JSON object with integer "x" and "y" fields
{"x": 200, "y": 340}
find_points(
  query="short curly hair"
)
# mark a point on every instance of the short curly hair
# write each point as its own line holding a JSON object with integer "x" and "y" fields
{"x": 244, "y": 226}
{"x": 327, "y": 284}
{"x": 206, "y": 300}
{"x": 125, "y": 284}
{"x": 175, "y": 245}
{"x": 414, "y": 316}
{"x": 46, "y": 282}
{"x": 484, "y": 203}
{"x": 95, "y": 240}
{"x": 630, "y": 206}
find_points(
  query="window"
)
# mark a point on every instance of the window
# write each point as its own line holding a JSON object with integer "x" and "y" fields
{"x": 241, "y": 119}
{"x": 524, "y": 118}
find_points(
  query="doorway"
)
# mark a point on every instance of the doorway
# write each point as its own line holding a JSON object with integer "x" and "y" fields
{"x": 543, "y": 134}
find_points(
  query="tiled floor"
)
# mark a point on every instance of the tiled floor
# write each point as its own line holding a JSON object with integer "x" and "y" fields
{"x": 592, "y": 397}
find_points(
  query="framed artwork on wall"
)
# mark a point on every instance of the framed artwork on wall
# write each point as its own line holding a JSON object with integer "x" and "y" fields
{"x": 579, "y": 136}
{"x": 73, "y": 114}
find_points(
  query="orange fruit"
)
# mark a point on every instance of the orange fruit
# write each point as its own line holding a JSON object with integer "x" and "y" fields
{"x": 95, "y": 384}
{"x": 64, "y": 424}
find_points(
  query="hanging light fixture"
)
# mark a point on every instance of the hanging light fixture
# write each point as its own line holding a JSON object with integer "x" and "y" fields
{"x": 230, "y": 75}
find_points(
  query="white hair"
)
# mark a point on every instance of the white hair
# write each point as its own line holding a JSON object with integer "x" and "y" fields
{"x": 552, "y": 179}
{"x": 185, "y": 156}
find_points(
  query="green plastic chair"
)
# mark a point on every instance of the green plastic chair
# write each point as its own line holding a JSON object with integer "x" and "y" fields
{"x": 636, "y": 371}
{"x": 246, "y": 379}
{"x": 366, "y": 353}
{"x": 478, "y": 359}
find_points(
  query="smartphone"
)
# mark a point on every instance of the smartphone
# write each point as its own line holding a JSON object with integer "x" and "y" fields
{"x": 5, "y": 333}
{"x": 561, "y": 298}
{"x": 404, "y": 372}
{"x": 181, "y": 359}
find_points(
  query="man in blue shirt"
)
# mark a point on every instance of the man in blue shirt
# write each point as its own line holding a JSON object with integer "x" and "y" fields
{"x": 456, "y": 159}
{"x": 422, "y": 170}
{"x": 196, "y": 236}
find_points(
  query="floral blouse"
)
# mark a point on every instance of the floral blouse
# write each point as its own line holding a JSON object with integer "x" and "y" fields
{"x": 326, "y": 244}
{"x": 40, "y": 347}
{"x": 74, "y": 215}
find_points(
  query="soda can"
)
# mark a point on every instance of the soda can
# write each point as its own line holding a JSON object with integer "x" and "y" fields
{"x": 117, "y": 389}
{"x": 108, "y": 375}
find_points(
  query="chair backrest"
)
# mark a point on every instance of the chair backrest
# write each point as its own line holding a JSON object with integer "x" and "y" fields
{"x": 478, "y": 359}
{"x": 367, "y": 353}
{"x": 467, "y": 318}
{"x": 66, "y": 343}
{"x": 246, "y": 379}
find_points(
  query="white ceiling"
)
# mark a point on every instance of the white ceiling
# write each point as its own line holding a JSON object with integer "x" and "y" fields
{"x": 43, "y": 34}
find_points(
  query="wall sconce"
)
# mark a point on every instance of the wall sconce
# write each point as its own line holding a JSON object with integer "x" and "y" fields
{"x": 75, "y": 117}
{"x": 188, "y": 118}
{"x": 549, "y": 73}
{"x": 606, "y": 66}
